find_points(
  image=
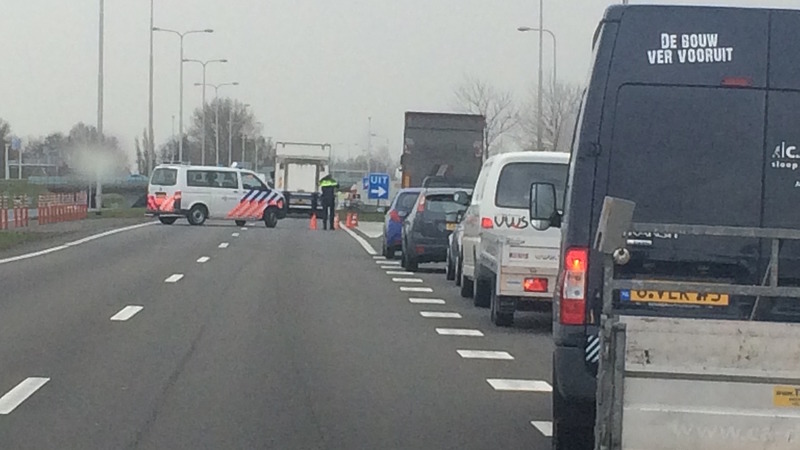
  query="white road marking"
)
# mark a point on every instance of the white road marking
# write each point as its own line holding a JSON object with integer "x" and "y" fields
{"x": 546, "y": 428}
{"x": 203, "y": 259}
{"x": 484, "y": 354}
{"x": 502, "y": 384}
{"x": 174, "y": 278}
{"x": 224, "y": 245}
{"x": 20, "y": 393}
{"x": 378, "y": 257}
{"x": 244, "y": 228}
{"x": 235, "y": 234}
{"x": 407, "y": 280}
{"x": 388, "y": 263}
{"x": 73, "y": 243}
{"x": 459, "y": 332}
{"x": 126, "y": 313}
{"x": 439, "y": 315}
{"x": 397, "y": 272}
{"x": 415, "y": 289}
{"x": 368, "y": 248}
{"x": 427, "y": 301}
{"x": 392, "y": 268}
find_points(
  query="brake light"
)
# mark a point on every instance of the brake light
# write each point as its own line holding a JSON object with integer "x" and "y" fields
{"x": 573, "y": 289}
{"x": 535, "y": 284}
{"x": 486, "y": 222}
{"x": 737, "y": 81}
{"x": 394, "y": 216}
{"x": 421, "y": 204}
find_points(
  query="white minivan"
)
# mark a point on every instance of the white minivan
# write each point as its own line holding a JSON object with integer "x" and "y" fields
{"x": 208, "y": 192}
{"x": 500, "y": 207}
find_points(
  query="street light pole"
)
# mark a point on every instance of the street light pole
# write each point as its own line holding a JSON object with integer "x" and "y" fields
{"x": 98, "y": 198}
{"x": 150, "y": 137}
{"x": 216, "y": 109}
{"x": 230, "y": 130}
{"x": 204, "y": 64}
{"x": 555, "y": 48}
{"x": 539, "y": 124}
{"x": 180, "y": 109}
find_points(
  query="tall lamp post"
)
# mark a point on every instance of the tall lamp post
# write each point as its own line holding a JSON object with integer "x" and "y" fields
{"x": 230, "y": 130}
{"x": 204, "y": 64}
{"x": 180, "y": 109}
{"x": 216, "y": 109}
{"x": 553, "y": 36}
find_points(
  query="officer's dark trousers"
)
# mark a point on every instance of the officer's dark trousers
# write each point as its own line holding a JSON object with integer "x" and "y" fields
{"x": 328, "y": 212}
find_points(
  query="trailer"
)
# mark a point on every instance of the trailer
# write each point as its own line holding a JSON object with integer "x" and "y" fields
{"x": 298, "y": 169}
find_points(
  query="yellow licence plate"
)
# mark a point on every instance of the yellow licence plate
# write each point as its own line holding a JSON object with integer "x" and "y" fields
{"x": 451, "y": 226}
{"x": 161, "y": 194}
{"x": 680, "y": 298}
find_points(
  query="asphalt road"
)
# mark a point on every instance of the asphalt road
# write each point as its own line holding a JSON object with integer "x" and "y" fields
{"x": 157, "y": 338}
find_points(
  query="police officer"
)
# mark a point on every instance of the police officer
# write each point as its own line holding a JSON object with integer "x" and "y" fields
{"x": 328, "y": 186}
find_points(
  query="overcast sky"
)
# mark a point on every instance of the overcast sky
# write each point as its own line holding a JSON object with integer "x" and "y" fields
{"x": 313, "y": 70}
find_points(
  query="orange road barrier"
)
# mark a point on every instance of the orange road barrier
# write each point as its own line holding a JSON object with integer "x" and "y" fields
{"x": 336, "y": 225}
{"x": 313, "y": 224}
{"x": 3, "y": 219}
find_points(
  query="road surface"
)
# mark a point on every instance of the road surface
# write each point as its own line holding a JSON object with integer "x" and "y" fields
{"x": 164, "y": 337}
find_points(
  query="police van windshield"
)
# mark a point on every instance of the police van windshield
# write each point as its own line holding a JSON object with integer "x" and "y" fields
{"x": 514, "y": 185}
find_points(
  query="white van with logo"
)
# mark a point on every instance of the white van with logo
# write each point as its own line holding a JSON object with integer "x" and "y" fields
{"x": 207, "y": 192}
{"x": 507, "y": 264}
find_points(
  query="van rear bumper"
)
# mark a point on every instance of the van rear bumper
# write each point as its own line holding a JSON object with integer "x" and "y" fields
{"x": 155, "y": 213}
{"x": 572, "y": 377}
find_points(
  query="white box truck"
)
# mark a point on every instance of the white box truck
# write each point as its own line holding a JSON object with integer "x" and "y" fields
{"x": 298, "y": 169}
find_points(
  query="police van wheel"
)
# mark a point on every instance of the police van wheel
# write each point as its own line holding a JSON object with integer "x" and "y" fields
{"x": 270, "y": 218}
{"x": 167, "y": 220}
{"x": 198, "y": 215}
{"x": 241, "y": 223}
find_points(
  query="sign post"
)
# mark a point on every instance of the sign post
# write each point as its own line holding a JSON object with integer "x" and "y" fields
{"x": 5, "y": 163}
{"x": 16, "y": 145}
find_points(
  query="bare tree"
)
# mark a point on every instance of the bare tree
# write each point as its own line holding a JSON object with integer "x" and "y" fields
{"x": 476, "y": 96}
{"x": 561, "y": 102}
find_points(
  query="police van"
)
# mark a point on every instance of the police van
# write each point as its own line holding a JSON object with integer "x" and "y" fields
{"x": 691, "y": 113}
{"x": 207, "y": 192}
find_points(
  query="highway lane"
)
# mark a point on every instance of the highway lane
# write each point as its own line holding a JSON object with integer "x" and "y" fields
{"x": 287, "y": 338}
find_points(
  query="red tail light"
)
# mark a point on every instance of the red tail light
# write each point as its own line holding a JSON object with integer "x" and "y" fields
{"x": 394, "y": 216}
{"x": 535, "y": 284}
{"x": 573, "y": 289}
{"x": 486, "y": 222}
{"x": 421, "y": 204}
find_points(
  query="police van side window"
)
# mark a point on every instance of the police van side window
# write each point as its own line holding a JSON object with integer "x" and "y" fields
{"x": 212, "y": 179}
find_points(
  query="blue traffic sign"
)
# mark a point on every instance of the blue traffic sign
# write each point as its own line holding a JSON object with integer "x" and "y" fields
{"x": 378, "y": 186}
{"x": 16, "y": 143}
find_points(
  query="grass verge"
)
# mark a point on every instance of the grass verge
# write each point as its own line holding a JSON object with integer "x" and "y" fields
{"x": 9, "y": 239}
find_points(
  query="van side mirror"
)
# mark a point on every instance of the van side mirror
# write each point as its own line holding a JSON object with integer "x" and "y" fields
{"x": 461, "y": 197}
{"x": 543, "y": 211}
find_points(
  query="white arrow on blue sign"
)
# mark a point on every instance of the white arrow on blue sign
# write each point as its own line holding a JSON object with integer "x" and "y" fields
{"x": 378, "y": 186}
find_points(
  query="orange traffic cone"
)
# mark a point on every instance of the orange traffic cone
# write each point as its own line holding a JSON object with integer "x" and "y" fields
{"x": 336, "y": 222}
{"x": 349, "y": 221}
{"x": 313, "y": 225}
{"x": 355, "y": 220}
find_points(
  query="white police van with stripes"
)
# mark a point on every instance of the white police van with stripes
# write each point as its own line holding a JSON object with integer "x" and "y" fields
{"x": 208, "y": 192}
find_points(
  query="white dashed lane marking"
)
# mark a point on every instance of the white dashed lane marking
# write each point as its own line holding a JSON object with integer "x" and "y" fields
{"x": 397, "y": 272}
{"x": 407, "y": 280}
{"x": 546, "y": 428}
{"x": 378, "y": 257}
{"x": 427, "y": 301}
{"x": 126, "y": 313}
{"x": 174, "y": 278}
{"x": 440, "y": 315}
{"x": 415, "y": 289}
{"x": 485, "y": 354}
{"x": 502, "y": 384}
{"x": 203, "y": 259}
{"x": 20, "y": 393}
{"x": 387, "y": 263}
{"x": 235, "y": 234}
{"x": 459, "y": 332}
{"x": 223, "y": 245}
{"x": 244, "y": 228}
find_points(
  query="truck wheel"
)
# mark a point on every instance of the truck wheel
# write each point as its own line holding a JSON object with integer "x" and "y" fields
{"x": 467, "y": 287}
{"x": 241, "y": 223}
{"x": 501, "y": 319}
{"x": 482, "y": 295}
{"x": 270, "y": 218}
{"x": 569, "y": 419}
{"x": 198, "y": 215}
{"x": 167, "y": 220}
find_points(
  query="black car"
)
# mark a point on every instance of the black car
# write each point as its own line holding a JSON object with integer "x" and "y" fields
{"x": 428, "y": 225}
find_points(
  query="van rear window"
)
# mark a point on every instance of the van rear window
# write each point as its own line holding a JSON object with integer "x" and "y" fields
{"x": 164, "y": 177}
{"x": 514, "y": 185}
